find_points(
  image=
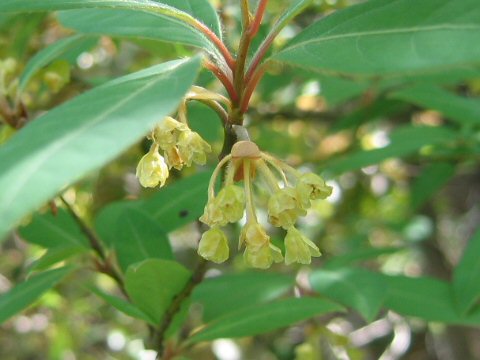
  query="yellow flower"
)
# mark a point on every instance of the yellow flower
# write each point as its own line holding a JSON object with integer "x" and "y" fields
{"x": 193, "y": 148}
{"x": 214, "y": 246}
{"x": 253, "y": 235}
{"x": 262, "y": 257}
{"x": 310, "y": 186}
{"x": 152, "y": 169}
{"x": 173, "y": 159}
{"x": 298, "y": 248}
{"x": 226, "y": 208}
{"x": 284, "y": 208}
{"x": 166, "y": 133}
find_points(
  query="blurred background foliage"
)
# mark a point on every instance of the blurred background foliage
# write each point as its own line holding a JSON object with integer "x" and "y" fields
{"x": 405, "y": 201}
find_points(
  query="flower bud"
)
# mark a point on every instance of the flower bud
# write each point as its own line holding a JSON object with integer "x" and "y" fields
{"x": 310, "y": 186}
{"x": 193, "y": 148}
{"x": 284, "y": 208}
{"x": 214, "y": 246}
{"x": 166, "y": 133}
{"x": 262, "y": 257}
{"x": 152, "y": 169}
{"x": 298, "y": 248}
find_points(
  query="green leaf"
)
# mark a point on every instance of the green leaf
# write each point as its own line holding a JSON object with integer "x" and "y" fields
{"x": 172, "y": 207}
{"x": 52, "y": 231}
{"x": 55, "y": 255}
{"x": 26, "y": 293}
{"x": 123, "y": 306}
{"x": 57, "y": 50}
{"x": 83, "y": 134}
{"x": 466, "y": 284}
{"x": 152, "y": 285}
{"x": 426, "y": 298}
{"x": 139, "y": 237}
{"x": 390, "y": 37}
{"x": 360, "y": 289}
{"x": 130, "y": 17}
{"x": 432, "y": 178}
{"x": 263, "y": 318}
{"x": 404, "y": 141}
{"x": 462, "y": 110}
{"x": 225, "y": 294}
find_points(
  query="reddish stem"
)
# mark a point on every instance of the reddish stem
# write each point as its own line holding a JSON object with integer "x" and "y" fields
{"x": 219, "y": 44}
{"x": 251, "y": 85}
{"x": 223, "y": 79}
{"x": 259, "y": 57}
{"x": 258, "y": 18}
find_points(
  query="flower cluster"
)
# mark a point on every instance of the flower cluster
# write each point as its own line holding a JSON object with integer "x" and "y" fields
{"x": 287, "y": 202}
{"x": 181, "y": 147}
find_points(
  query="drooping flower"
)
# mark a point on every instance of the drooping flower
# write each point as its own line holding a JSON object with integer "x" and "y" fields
{"x": 173, "y": 159}
{"x": 152, "y": 169}
{"x": 253, "y": 235}
{"x": 262, "y": 257}
{"x": 310, "y": 186}
{"x": 192, "y": 148}
{"x": 226, "y": 208}
{"x": 213, "y": 246}
{"x": 284, "y": 208}
{"x": 167, "y": 133}
{"x": 298, "y": 248}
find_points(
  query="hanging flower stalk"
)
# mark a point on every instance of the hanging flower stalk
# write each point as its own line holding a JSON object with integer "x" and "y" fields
{"x": 287, "y": 202}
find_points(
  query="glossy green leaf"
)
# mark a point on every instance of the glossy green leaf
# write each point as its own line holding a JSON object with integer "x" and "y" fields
{"x": 262, "y": 318}
{"x": 431, "y": 179}
{"x": 152, "y": 285}
{"x": 173, "y": 206}
{"x": 228, "y": 293}
{"x": 52, "y": 231}
{"x": 390, "y": 37}
{"x": 147, "y": 18}
{"x": 81, "y": 135}
{"x": 123, "y": 306}
{"x": 426, "y": 298}
{"x": 404, "y": 141}
{"x": 460, "y": 109}
{"x": 466, "y": 284}
{"x": 139, "y": 237}
{"x": 362, "y": 290}
{"x": 26, "y": 293}
{"x": 55, "y": 51}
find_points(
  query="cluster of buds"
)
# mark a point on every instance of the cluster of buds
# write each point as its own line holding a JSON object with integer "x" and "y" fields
{"x": 289, "y": 200}
{"x": 181, "y": 147}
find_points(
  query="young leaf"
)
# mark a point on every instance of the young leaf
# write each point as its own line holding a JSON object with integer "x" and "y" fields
{"x": 24, "y": 294}
{"x": 81, "y": 135}
{"x": 462, "y": 110}
{"x": 138, "y": 237}
{"x": 393, "y": 37}
{"x": 57, "y": 50}
{"x": 147, "y": 18}
{"x": 52, "y": 231}
{"x": 363, "y": 290}
{"x": 229, "y": 293}
{"x": 466, "y": 284}
{"x": 152, "y": 285}
{"x": 432, "y": 178}
{"x": 262, "y": 318}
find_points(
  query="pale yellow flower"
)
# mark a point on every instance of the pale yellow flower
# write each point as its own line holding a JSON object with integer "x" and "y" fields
{"x": 167, "y": 132}
{"x": 298, "y": 248}
{"x": 193, "y": 148}
{"x": 262, "y": 257}
{"x": 173, "y": 159}
{"x": 310, "y": 186}
{"x": 284, "y": 208}
{"x": 152, "y": 169}
{"x": 214, "y": 246}
{"x": 226, "y": 208}
{"x": 254, "y": 235}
